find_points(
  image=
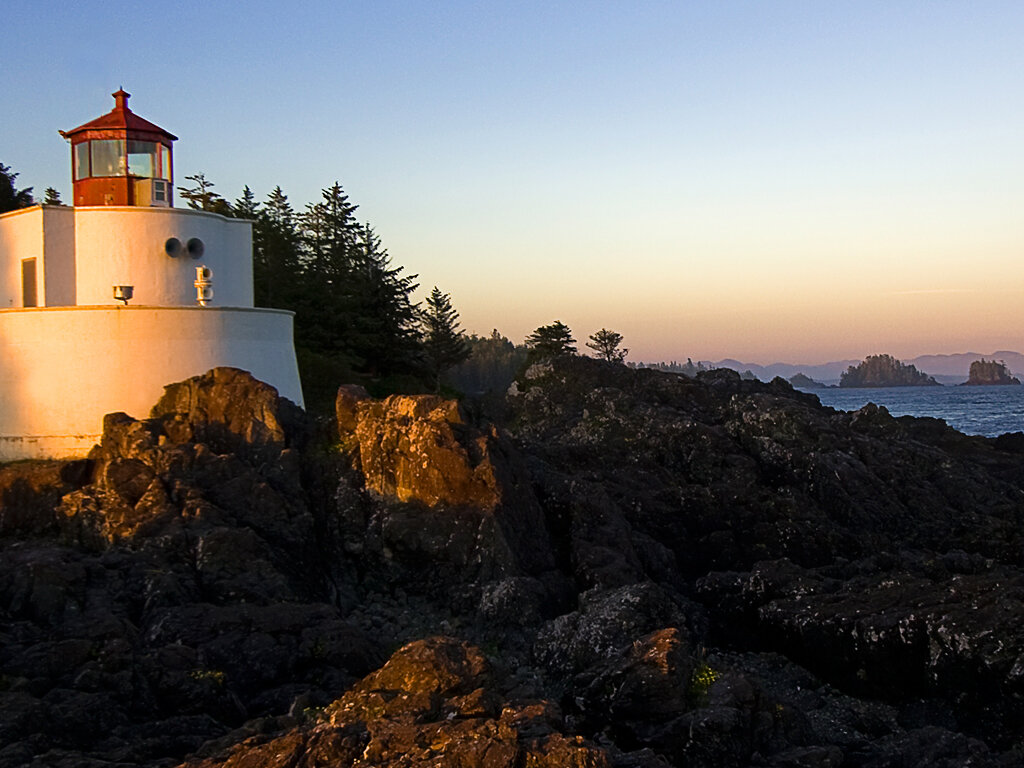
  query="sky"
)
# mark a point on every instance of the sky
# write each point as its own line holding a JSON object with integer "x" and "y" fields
{"x": 796, "y": 181}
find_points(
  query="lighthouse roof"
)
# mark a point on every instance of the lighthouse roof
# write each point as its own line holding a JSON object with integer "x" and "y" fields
{"x": 121, "y": 120}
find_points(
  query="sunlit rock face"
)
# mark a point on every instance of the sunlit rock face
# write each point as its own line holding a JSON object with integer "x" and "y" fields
{"x": 417, "y": 448}
{"x": 468, "y": 493}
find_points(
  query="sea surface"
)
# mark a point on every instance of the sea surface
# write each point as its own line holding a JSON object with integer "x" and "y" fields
{"x": 988, "y": 411}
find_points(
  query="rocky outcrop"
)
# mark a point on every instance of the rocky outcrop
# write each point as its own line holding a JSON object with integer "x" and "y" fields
{"x": 633, "y": 569}
{"x": 466, "y": 492}
{"x": 418, "y": 448}
{"x": 30, "y": 492}
{"x": 182, "y": 590}
{"x": 434, "y": 702}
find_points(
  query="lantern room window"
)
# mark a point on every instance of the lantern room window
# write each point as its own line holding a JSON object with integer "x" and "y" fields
{"x": 82, "y": 160}
{"x": 108, "y": 157}
{"x": 149, "y": 159}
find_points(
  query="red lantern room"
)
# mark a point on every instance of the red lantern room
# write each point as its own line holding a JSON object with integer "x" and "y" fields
{"x": 121, "y": 159}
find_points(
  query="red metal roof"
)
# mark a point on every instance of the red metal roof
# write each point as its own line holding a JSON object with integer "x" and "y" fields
{"x": 120, "y": 118}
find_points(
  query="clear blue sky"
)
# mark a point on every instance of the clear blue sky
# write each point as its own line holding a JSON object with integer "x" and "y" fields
{"x": 795, "y": 181}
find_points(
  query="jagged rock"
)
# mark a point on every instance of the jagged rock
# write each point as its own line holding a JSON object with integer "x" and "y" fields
{"x": 186, "y": 582}
{"x": 228, "y": 410}
{"x": 417, "y": 448}
{"x": 880, "y": 630}
{"x": 432, "y": 703}
{"x": 31, "y": 490}
{"x": 606, "y": 623}
{"x": 649, "y": 681}
{"x": 466, "y": 502}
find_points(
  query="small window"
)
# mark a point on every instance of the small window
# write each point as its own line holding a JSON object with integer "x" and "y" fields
{"x": 108, "y": 157}
{"x": 82, "y": 160}
{"x": 28, "y": 283}
{"x": 165, "y": 162}
{"x": 142, "y": 159}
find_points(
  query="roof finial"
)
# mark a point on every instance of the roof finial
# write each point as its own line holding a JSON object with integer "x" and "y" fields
{"x": 121, "y": 99}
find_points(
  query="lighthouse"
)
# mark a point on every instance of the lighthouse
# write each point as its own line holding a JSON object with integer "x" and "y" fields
{"x": 121, "y": 159}
{"x": 105, "y": 302}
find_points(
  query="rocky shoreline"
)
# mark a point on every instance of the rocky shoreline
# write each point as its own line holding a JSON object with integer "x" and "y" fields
{"x": 612, "y": 567}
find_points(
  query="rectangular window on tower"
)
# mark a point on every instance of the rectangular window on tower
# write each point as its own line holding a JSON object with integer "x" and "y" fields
{"x": 28, "y": 283}
{"x": 82, "y": 160}
{"x": 142, "y": 159}
{"x": 108, "y": 157}
{"x": 165, "y": 162}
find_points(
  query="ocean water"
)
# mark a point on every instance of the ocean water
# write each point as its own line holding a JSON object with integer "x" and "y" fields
{"x": 988, "y": 411}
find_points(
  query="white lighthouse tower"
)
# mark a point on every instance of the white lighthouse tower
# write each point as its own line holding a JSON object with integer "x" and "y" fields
{"x": 104, "y": 303}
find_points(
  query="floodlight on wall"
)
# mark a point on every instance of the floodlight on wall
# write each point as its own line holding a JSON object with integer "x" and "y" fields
{"x": 204, "y": 285}
{"x": 173, "y": 247}
{"x": 123, "y": 293}
{"x": 195, "y": 247}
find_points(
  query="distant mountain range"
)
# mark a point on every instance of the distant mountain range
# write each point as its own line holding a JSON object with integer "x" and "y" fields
{"x": 947, "y": 369}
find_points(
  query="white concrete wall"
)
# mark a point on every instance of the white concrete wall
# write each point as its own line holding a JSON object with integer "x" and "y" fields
{"x": 63, "y": 369}
{"x": 21, "y": 237}
{"x": 117, "y": 245}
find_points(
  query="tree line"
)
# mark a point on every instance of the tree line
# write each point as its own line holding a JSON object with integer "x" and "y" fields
{"x": 495, "y": 361}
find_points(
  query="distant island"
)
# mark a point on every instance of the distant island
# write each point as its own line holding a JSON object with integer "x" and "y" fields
{"x": 803, "y": 381}
{"x": 990, "y": 372}
{"x": 885, "y": 371}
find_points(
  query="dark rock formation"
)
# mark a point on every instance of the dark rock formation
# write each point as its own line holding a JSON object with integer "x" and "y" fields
{"x": 634, "y": 569}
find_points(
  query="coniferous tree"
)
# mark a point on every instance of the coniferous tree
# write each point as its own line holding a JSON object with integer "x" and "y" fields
{"x": 246, "y": 206}
{"x": 444, "y": 343}
{"x": 552, "y": 340}
{"x": 52, "y": 197}
{"x": 607, "y": 345}
{"x": 276, "y": 253}
{"x": 386, "y": 332}
{"x": 201, "y": 197}
{"x": 12, "y": 198}
{"x": 328, "y": 307}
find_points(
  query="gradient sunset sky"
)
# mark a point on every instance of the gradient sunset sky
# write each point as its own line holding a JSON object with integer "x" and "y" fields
{"x": 769, "y": 181}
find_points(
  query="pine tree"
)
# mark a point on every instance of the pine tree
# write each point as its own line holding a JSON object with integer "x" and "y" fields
{"x": 552, "y": 340}
{"x": 606, "y": 343}
{"x": 385, "y": 330}
{"x": 329, "y": 233}
{"x": 52, "y": 197}
{"x": 276, "y": 260}
{"x": 12, "y": 198}
{"x": 201, "y": 197}
{"x": 246, "y": 206}
{"x": 444, "y": 344}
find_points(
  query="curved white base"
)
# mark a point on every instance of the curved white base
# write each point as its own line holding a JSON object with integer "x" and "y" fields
{"x": 63, "y": 368}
